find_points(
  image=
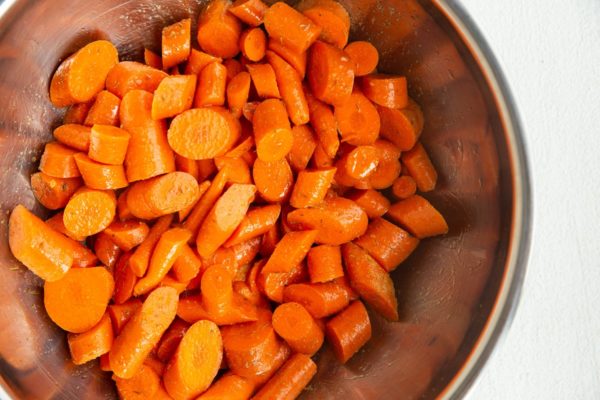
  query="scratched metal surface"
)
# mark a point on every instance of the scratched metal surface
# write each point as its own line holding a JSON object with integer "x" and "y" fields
{"x": 443, "y": 304}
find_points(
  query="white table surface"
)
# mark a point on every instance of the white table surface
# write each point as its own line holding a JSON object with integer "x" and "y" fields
{"x": 549, "y": 51}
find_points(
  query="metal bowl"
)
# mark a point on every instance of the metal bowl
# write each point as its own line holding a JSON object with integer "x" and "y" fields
{"x": 457, "y": 293}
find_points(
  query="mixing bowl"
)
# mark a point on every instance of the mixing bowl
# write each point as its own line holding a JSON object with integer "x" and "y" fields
{"x": 456, "y": 293}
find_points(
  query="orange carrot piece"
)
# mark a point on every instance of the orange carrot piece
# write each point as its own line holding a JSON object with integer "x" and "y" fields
{"x": 148, "y": 153}
{"x": 292, "y": 57}
{"x": 330, "y": 73}
{"x": 176, "y": 43}
{"x": 371, "y": 201}
{"x": 290, "y": 251}
{"x": 154, "y": 363}
{"x": 174, "y": 95}
{"x": 289, "y": 27}
{"x": 53, "y": 193}
{"x": 78, "y": 300}
{"x": 404, "y": 187}
{"x": 264, "y": 80}
{"x": 272, "y": 131}
{"x": 272, "y": 284}
{"x": 250, "y": 12}
{"x": 386, "y": 90}
{"x": 152, "y": 59}
{"x": 108, "y": 144}
{"x": 143, "y": 332}
{"x": 248, "y": 110}
{"x": 162, "y": 195}
{"x": 337, "y": 220}
{"x": 360, "y": 162}
{"x": 100, "y": 176}
{"x": 289, "y": 381}
{"x": 324, "y": 124}
{"x": 91, "y": 344}
{"x": 332, "y": 17}
{"x": 320, "y": 299}
{"x": 196, "y": 362}
{"x": 77, "y": 113}
{"x": 364, "y": 56}
{"x": 256, "y": 222}
{"x": 143, "y": 384}
{"x": 244, "y": 146}
{"x": 219, "y": 31}
{"x": 130, "y": 75}
{"x": 212, "y": 83}
{"x": 419, "y": 217}
{"x": 324, "y": 263}
{"x": 348, "y": 331}
{"x": 167, "y": 249}
{"x": 57, "y": 161}
{"x": 187, "y": 165}
{"x": 420, "y": 167}
{"x": 234, "y": 67}
{"x": 357, "y": 120}
{"x": 101, "y": 204}
{"x": 269, "y": 241}
{"x": 104, "y": 363}
{"x": 344, "y": 283}
{"x": 303, "y": 147}
{"x": 106, "y": 250}
{"x": 203, "y": 133}
{"x": 297, "y": 327}
{"x": 290, "y": 87}
{"x": 56, "y": 222}
{"x": 187, "y": 265}
{"x": 104, "y": 111}
{"x": 81, "y": 76}
{"x": 170, "y": 341}
{"x": 248, "y": 287}
{"x": 238, "y": 89}
{"x": 311, "y": 187}
{"x": 402, "y": 127}
{"x": 128, "y": 234}
{"x": 229, "y": 387}
{"x": 389, "y": 167}
{"x": 238, "y": 170}
{"x": 73, "y": 136}
{"x": 387, "y": 243}
{"x": 125, "y": 280}
{"x": 204, "y": 205}
{"x": 253, "y": 43}
{"x": 170, "y": 281}
{"x": 141, "y": 257}
{"x": 197, "y": 61}
{"x": 82, "y": 256}
{"x": 273, "y": 180}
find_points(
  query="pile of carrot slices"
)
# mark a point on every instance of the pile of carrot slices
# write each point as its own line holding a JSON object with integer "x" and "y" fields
{"x": 219, "y": 213}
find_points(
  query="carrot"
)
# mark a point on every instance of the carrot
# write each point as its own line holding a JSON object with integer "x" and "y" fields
{"x": 244, "y": 146}
{"x": 273, "y": 180}
{"x": 219, "y": 31}
{"x": 148, "y": 154}
{"x": 357, "y": 120}
{"x": 81, "y": 76}
{"x": 229, "y": 387}
{"x": 250, "y": 12}
{"x": 290, "y": 28}
{"x": 248, "y": 110}
{"x": 290, "y": 86}
{"x": 204, "y": 205}
{"x": 104, "y": 111}
{"x": 253, "y": 43}
{"x": 337, "y": 220}
{"x": 331, "y": 16}
{"x": 196, "y": 361}
{"x": 170, "y": 341}
{"x": 419, "y": 217}
{"x": 250, "y": 282}
{"x": 53, "y": 193}
{"x": 344, "y": 283}
{"x": 324, "y": 124}
{"x": 320, "y": 299}
{"x": 170, "y": 281}
{"x": 420, "y": 167}
{"x": 102, "y": 205}
{"x": 272, "y": 131}
{"x": 234, "y": 67}
{"x": 176, "y": 43}
{"x": 223, "y": 218}
{"x": 141, "y": 257}
{"x": 269, "y": 241}
{"x": 57, "y": 161}
{"x": 174, "y": 95}
{"x": 360, "y": 162}
{"x": 264, "y": 80}
{"x": 289, "y": 381}
{"x": 143, "y": 332}
{"x": 238, "y": 89}
{"x": 387, "y": 243}
{"x": 143, "y": 384}
{"x": 187, "y": 165}
{"x": 123, "y": 211}
{"x": 404, "y": 187}
{"x": 130, "y": 75}
{"x": 78, "y": 300}
{"x": 197, "y": 61}
{"x": 292, "y": 57}
{"x": 311, "y": 187}
{"x": 104, "y": 363}
{"x": 125, "y": 279}
{"x": 372, "y": 282}
{"x": 167, "y": 249}
{"x": 303, "y": 147}
{"x": 371, "y": 201}
{"x": 238, "y": 170}
{"x": 255, "y": 223}
{"x": 385, "y": 90}
{"x": 91, "y": 344}
{"x": 364, "y": 56}
{"x": 330, "y": 73}
{"x": 73, "y": 136}
{"x": 212, "y": 83}
{"x": 272, "y": 284}
{"x": 203, "y": 133}
{"x": 100, "y": 176}
{"x": 128, "y": 234}
{"x": 389, "y": 167}
{"x": 56, "y": 222}
{"x": 154, "y": 363}
{"x": 77, "y": 113}
{"x": 297, "y": 327}
{"x": 108, "y": 144}
{"x": 402, "y": 127}
{"x": 152, "y": 59}
{"x": 348, "y": 331}
{"x": 106, "y": 250}
{"x": 290, "y": 251}
{"x": 187, "y": 265}
{"x": 324, "y": 263}
{"x": 162, "y": 195}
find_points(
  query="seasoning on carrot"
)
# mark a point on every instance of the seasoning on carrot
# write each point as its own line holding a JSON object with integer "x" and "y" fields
{"x": 311, "y": 187}
{"x": 371, "y": 201}
{"x": 273, "y": 180}
{"x": 176, "y": 43}
{"x": 218, "y": 30}
{"x": 297, "y": 327}
{"x": 212, "y": 83}
{"x": 130, "y": 75}
{"x": 420, "y": 167}
{"x": 364, "y": 55}
{"x": 141, "y": 257}
{"x": 57, "y": 161}
{"x": 102, "y": 204}
{"x": 330, "y": 73}
{"x": 100, "y": 176}
{"x": 91, "y": 344}
{"x": 348, "y": 331}
{"x": 250, "y": 12}
{"x": 289, "y": 381}
{"x": 53, "y": 193}
{"x": 104, "y": 111}
{"x": 385, "y": 90}
{"x": 174, "y": 95}
{"x": 272, "y": 131}
{"x": 288, "y": 26}
{"x": 331, "y": 16}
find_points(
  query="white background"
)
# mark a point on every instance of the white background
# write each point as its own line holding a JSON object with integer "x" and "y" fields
{"x": 549, "y": 51}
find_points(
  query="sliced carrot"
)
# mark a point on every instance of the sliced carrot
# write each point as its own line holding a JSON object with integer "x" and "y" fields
{"x": 238, "y": 170}
{"x": 144, "y": 384}
{"x": 81, "y": 76}
{"x": 219, "y": 31}
{"x": 404, "y": 187}
{"x": 344, "y": 283}
{"x": 128, "y": 234}
{"x": 364, "y": 55}
{"x": 290, "y": 251}
{"x": 154, "y": 363}
{"x": 330, "y": 73}
{"x": 56, "y": 222}
{"x": 303, "y": 147}
{"x": 123, "y": 211}
{"x": 176, "y": 43}
{"x": 170, "y": 341}
{"x": 224, "y": 218}
{"x": 174, "y": 95}
{"x": 187, "y": 165}
{"x": 320, "y": 299}
{"x": 269, "y": 241}
{"x": 152, "y": 59}
{"x": 162, "y": 195}
{"x": 273, "y": 180}
{"x": 289, "y": 381}
{"x": 234, "y": 67}
{"x": 73, "y": 136}
{"x": 272, "y": 131}
{"x": 387, "y": 243}
{"x": 297, "y": 327}
{"x": 402, "y": 127}
{"x": 53, "y": 193}
{"x": 78, "y": 300}
{"x": 229, "y": 387}
{"x": 255, "y": 223}
{"x": 292, "y": 57}
{"x": 125, "y": 280}
{"x": 337, "y": 220}
{"x": 108, "y": 144}
{"x": 389, "y": 167}
{"x": 386, "y": 90}
{"x": 91, "y": 344}
{"x": 324, "y": 124}
{"x": 360, "y": 162}
{"x": 420, "y": 167}
{"x": 203, "y": 133}
{"x": 197, "y": 61}
{"x": 332, "y": 17}
{"x": 290, "y": 86}
{"x": 101, "y": 204}
{"x": 245, "y": 145}
{"x": 264, "y": 80}
{"x": 148, "y": 153}
{"x": 324, "y": 263}
{"x": 143, "y": 332}
{"x": 212, "y": 83}
{"x": 348, "y": 331}
{"x": 250, "y": 12}
{"x": 106, "y": 250}
{"x": 272, "y": 284}
{"x": 371, "y": 201}
{"x": 248, "y": 110}
{"x": 104, "y": 111}
{"x": 168, "y": 248}
{"x": 77, "y": 113}
{"x": 204, "y": 205}
{"x": 419, "y": 217}
{"x": 130, "y": 75}
{"x": 238, "y": 89}
{"x": 170, "y": 281}
{"x": 57, "y": 161}
{"x": 248, "y": 286}
{"x": 187, "y": 265}
{"x": 100, "y": 176}
{"x": 253, "y": 43}
{"x": 311, "y": 187}
{"x": 141, "y": 257}
{"x": 357, "y": 120}
{"x": 289, "y": 27}
{"x": 104, "y": 363}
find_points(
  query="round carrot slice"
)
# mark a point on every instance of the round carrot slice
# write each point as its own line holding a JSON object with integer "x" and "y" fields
{"x": 218, "y": 30}
{"x": 272, "y": 131}
{"x": 332, "y": 17}
{"x": 89, "y": 211}
{"x": 253, "y": 43}
{"x": 273, "y": 180}
{"x": 386, "y": 90}
{"x": 357, "y": 120}
{"x": 330, "y": 73}
{"x": 203, "y": 133}
{"x": 361, "y": 161}
{"x": 364, "y": 55}
{"x": 297, "y": 327}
